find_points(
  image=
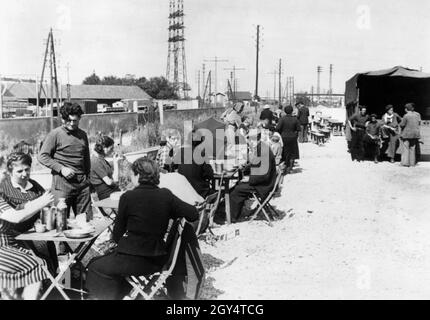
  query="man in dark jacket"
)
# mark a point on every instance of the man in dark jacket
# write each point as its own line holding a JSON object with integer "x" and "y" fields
{"x": 261, "y": 179}
{"x": 410, "y": 135}
{"x": 266, "y": 116}
{"x": 303, "y": 117}
{"x": 289, "y": 127}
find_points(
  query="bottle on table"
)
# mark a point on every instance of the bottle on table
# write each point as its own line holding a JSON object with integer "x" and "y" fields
{"x": 61, "y": 215}
{"x": 51, "y": 219}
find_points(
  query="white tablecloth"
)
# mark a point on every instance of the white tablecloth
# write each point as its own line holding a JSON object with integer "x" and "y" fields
{"x": 180, "y": 187}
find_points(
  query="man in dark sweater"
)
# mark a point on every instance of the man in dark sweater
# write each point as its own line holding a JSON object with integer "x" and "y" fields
{"x": 303, "y": 116}
{"x": 66, "y": 152}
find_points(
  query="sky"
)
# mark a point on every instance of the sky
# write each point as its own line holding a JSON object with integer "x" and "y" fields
{"x": 119, "y": 37}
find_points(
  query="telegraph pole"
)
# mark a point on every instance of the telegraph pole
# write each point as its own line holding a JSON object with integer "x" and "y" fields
{"x": 233, "y": 80}
{"x": 216, "y": 60}
{"x": 312, "y": 95}
{"x": 275, "y": 73}
{"x": 331, "y": 83}
{"x": 50, "y": 50}
{"x": 280, "y": 79}
{"x": 292, "y": 80}
{"x": 257, "y": 63}
{"x": 319, "y": 70}
{"x": 198, "y": 82}
{"x": 69, "y": 94}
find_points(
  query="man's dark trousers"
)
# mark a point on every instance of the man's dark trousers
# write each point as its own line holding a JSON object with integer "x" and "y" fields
{"x": 237, "y": 198}
{"x": 303, "y": 136}
{"x": 76, "y": 191}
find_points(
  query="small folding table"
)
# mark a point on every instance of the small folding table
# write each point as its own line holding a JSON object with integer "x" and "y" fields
{"x": 76, "y": 254}
{"x": 223, "y": 181}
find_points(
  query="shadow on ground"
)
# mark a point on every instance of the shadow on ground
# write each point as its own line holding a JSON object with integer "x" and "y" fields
{"x": 209, "y": 292}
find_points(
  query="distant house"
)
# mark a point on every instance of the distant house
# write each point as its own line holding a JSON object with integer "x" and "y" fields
{"x": 240, "y": 96}
{"x": 100, "y": 93}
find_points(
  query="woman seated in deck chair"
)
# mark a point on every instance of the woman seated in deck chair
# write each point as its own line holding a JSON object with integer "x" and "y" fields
{"x": 139, "y": 229}
{"x": 20, "y": 268}
{"x": 261, "y": 180}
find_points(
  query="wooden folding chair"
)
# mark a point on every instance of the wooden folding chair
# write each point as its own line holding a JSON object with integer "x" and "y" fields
{"x": 207, "y": 210}
{"x": 148, "y": 285}
{"x": 264, "y": 205}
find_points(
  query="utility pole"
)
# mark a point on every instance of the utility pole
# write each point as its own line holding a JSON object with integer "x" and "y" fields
{"x": 280, "y": 79}
{"x": 331, "y": 84}
{"x": 69, "y": 94}
{"x": 312, "y": 95}
{"x": 50, "y": 50}
{"x": 319, "y": 70}
{"x": 198, "y": 82}
{"x": 203, "y": 76}
{"x": 233, "y": 79}
{"x": 292, "y": 80}
{"x": 216, "y": 60}
{"x": 257, "y": 63}
{"x": 275, "y": 73}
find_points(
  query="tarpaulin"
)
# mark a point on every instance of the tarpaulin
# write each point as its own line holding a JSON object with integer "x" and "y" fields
{"x": 396, "y": 86}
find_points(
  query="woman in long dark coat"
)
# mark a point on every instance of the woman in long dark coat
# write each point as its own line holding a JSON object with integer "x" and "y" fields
{"x": 289, "y": 128}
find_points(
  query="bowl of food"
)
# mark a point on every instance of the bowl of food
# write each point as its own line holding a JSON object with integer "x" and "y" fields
{"x": 77, "y": 233}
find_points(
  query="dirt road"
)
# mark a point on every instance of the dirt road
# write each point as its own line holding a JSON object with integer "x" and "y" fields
{"x": 352, "y": 231}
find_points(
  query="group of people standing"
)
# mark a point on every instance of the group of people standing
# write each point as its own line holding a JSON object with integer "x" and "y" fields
{"x": 393, "y": 134}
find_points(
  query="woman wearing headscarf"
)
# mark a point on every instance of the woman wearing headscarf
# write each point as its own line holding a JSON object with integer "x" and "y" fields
{"x": 289, "y": 127}
{"x": 233, "y": 121}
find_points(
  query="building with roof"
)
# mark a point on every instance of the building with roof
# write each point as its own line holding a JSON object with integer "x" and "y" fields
{"x": 100, "y": 93}
{"x": 240, "y": 96}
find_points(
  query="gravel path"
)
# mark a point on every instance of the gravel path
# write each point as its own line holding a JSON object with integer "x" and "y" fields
{"x": 351, "y": 231}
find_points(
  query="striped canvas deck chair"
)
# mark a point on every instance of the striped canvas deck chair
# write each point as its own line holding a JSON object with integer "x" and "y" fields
{"x": 149, "y": 285}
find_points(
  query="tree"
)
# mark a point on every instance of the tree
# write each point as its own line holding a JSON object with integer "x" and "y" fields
{"x": 156, "y": 87}
{"x": 112, "y": 81}
{"x": 92, "y": 79}
{"x": 303, "y": 98}
{"x": 159, "y": 88}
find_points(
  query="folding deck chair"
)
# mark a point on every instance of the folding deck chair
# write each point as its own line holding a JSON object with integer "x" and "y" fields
{"x": 148, "y": 285}
{"x": 264, "y": 204}
{"x": 207, "y": 210}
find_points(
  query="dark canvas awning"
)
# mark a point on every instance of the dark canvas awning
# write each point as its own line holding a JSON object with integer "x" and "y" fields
{"x": 396, "y": 86}
{"x": 213, "y": 125}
